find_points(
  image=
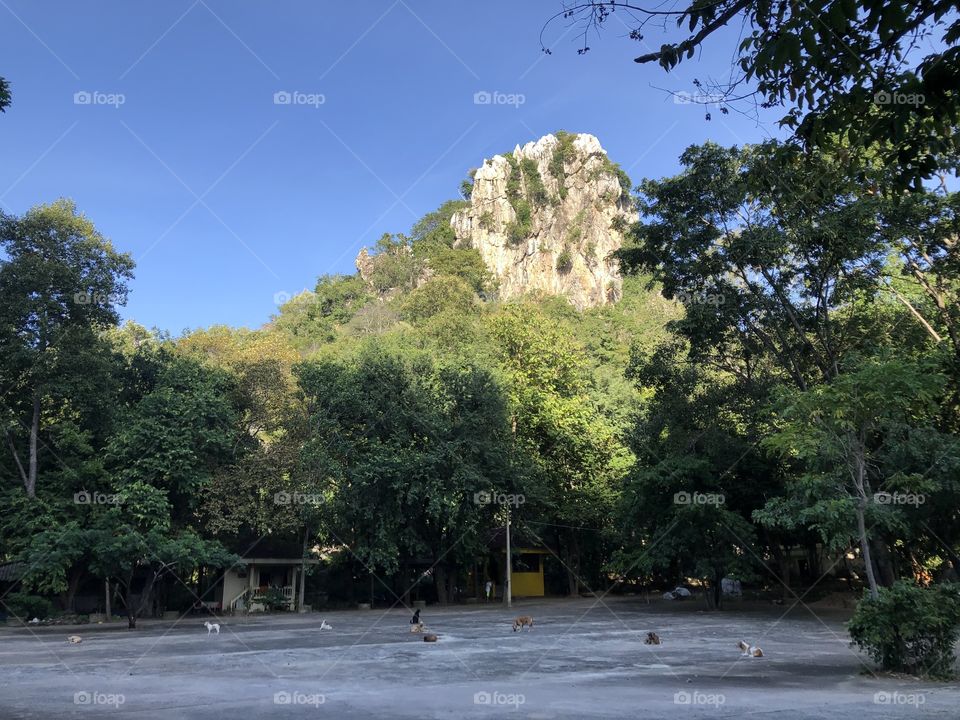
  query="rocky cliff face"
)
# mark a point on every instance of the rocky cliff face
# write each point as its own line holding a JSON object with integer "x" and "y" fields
{"x": 546, "y": 218}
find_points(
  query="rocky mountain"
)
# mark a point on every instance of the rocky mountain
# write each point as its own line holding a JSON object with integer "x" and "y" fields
{"x": 546, "y": 218}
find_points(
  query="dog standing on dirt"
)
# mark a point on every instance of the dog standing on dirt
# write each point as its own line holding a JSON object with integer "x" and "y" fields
{"x": 519, "y": 623}
{"x": 212, "y": 627}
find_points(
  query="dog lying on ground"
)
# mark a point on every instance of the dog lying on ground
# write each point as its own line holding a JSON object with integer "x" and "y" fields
{"x": 429, "y": 638}
{"x": 212, "y": 627}
{"x": 324, "y": 625}
{"x": 522, "y": 620}
{"x": 652, "y": 639}
{"x": 417, "y": 628}
{"x": 748, "y": 650}
{"x": 75, "y": 639}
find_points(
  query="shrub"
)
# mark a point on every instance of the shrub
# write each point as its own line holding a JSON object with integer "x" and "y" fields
{"x": 564, "y": 261}
{"x": 910, "y": 628}
{"x": 536, "y": 190}
{"x": 590, "y": 253}
{"x": 27, "y": 607}
{"x": 272, "y": 599}
{"x": 463, "y": 263}
{"x": 520, "y": 229}
{"x": 486, "y": 221}
{"x": 563, "y": 152}
{"x": 514, "y": 179}
{"x": 620, "y": 224}
{"x": 436, "y": 295}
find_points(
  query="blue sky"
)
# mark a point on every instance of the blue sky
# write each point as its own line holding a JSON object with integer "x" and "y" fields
{"x": 226, "y": 199}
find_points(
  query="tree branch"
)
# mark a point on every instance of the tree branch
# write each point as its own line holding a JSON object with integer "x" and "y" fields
{"x": 695, "y": 40}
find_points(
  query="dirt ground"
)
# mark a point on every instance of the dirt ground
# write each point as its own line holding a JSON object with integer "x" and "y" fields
{"x": 584, "y": 658}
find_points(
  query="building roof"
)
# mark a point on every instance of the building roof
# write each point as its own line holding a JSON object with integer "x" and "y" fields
{"x": 12, "y": 571}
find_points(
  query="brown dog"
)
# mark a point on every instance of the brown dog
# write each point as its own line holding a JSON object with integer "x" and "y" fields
{"x": 519, "y": 623}
{"x": 652, "y": 639}
{"x": 429, "y": 637}
{"x": 749, "y": 650}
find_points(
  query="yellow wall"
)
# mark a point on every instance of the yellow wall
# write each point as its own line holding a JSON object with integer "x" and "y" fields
{"x": 528, "y": 584}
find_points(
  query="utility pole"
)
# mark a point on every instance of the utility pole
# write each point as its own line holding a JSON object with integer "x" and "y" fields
{"x": 508, "y": 587}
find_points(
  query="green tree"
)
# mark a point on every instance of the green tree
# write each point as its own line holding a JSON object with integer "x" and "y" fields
{"x": 402, "y": 446}
{"x": 435, "y": 296}
{"x": 60, "y": 283}
{"x": 575, "y": 459}
{"x": 869, "y": 431}
{"x": 841, "y": 68}
{"x": 313, "y": 319}
{"x": 167, "y": 447}
{"x": 688, "y": 500}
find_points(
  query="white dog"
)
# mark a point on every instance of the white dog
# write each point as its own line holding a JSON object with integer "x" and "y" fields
{"x": 748, "y": 650}
{"x": 324, "y": 625}
{"x": 211, "y": 627}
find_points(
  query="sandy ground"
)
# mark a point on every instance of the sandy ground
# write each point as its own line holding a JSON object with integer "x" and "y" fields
{"x": 583, "y": 659}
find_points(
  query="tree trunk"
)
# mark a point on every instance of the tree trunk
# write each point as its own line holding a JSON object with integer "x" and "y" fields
{"x": 145, "y": 599}
{"x": 862, "y": 486}
{"x": 128, "y": 602}
{"x": 865, "y": 547}
{"x": 452, "y": 578}
{"x": 34, "y": 434}
{"x": 886, "y": 575}
{"x": 440, "y": 582}
{"x": 782, "y": 555}
{"x": 573, "y": 564}
{"x": 303, "y": 571}
{"x": 813, "y": 557}
{"x": 73, "y": 582}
